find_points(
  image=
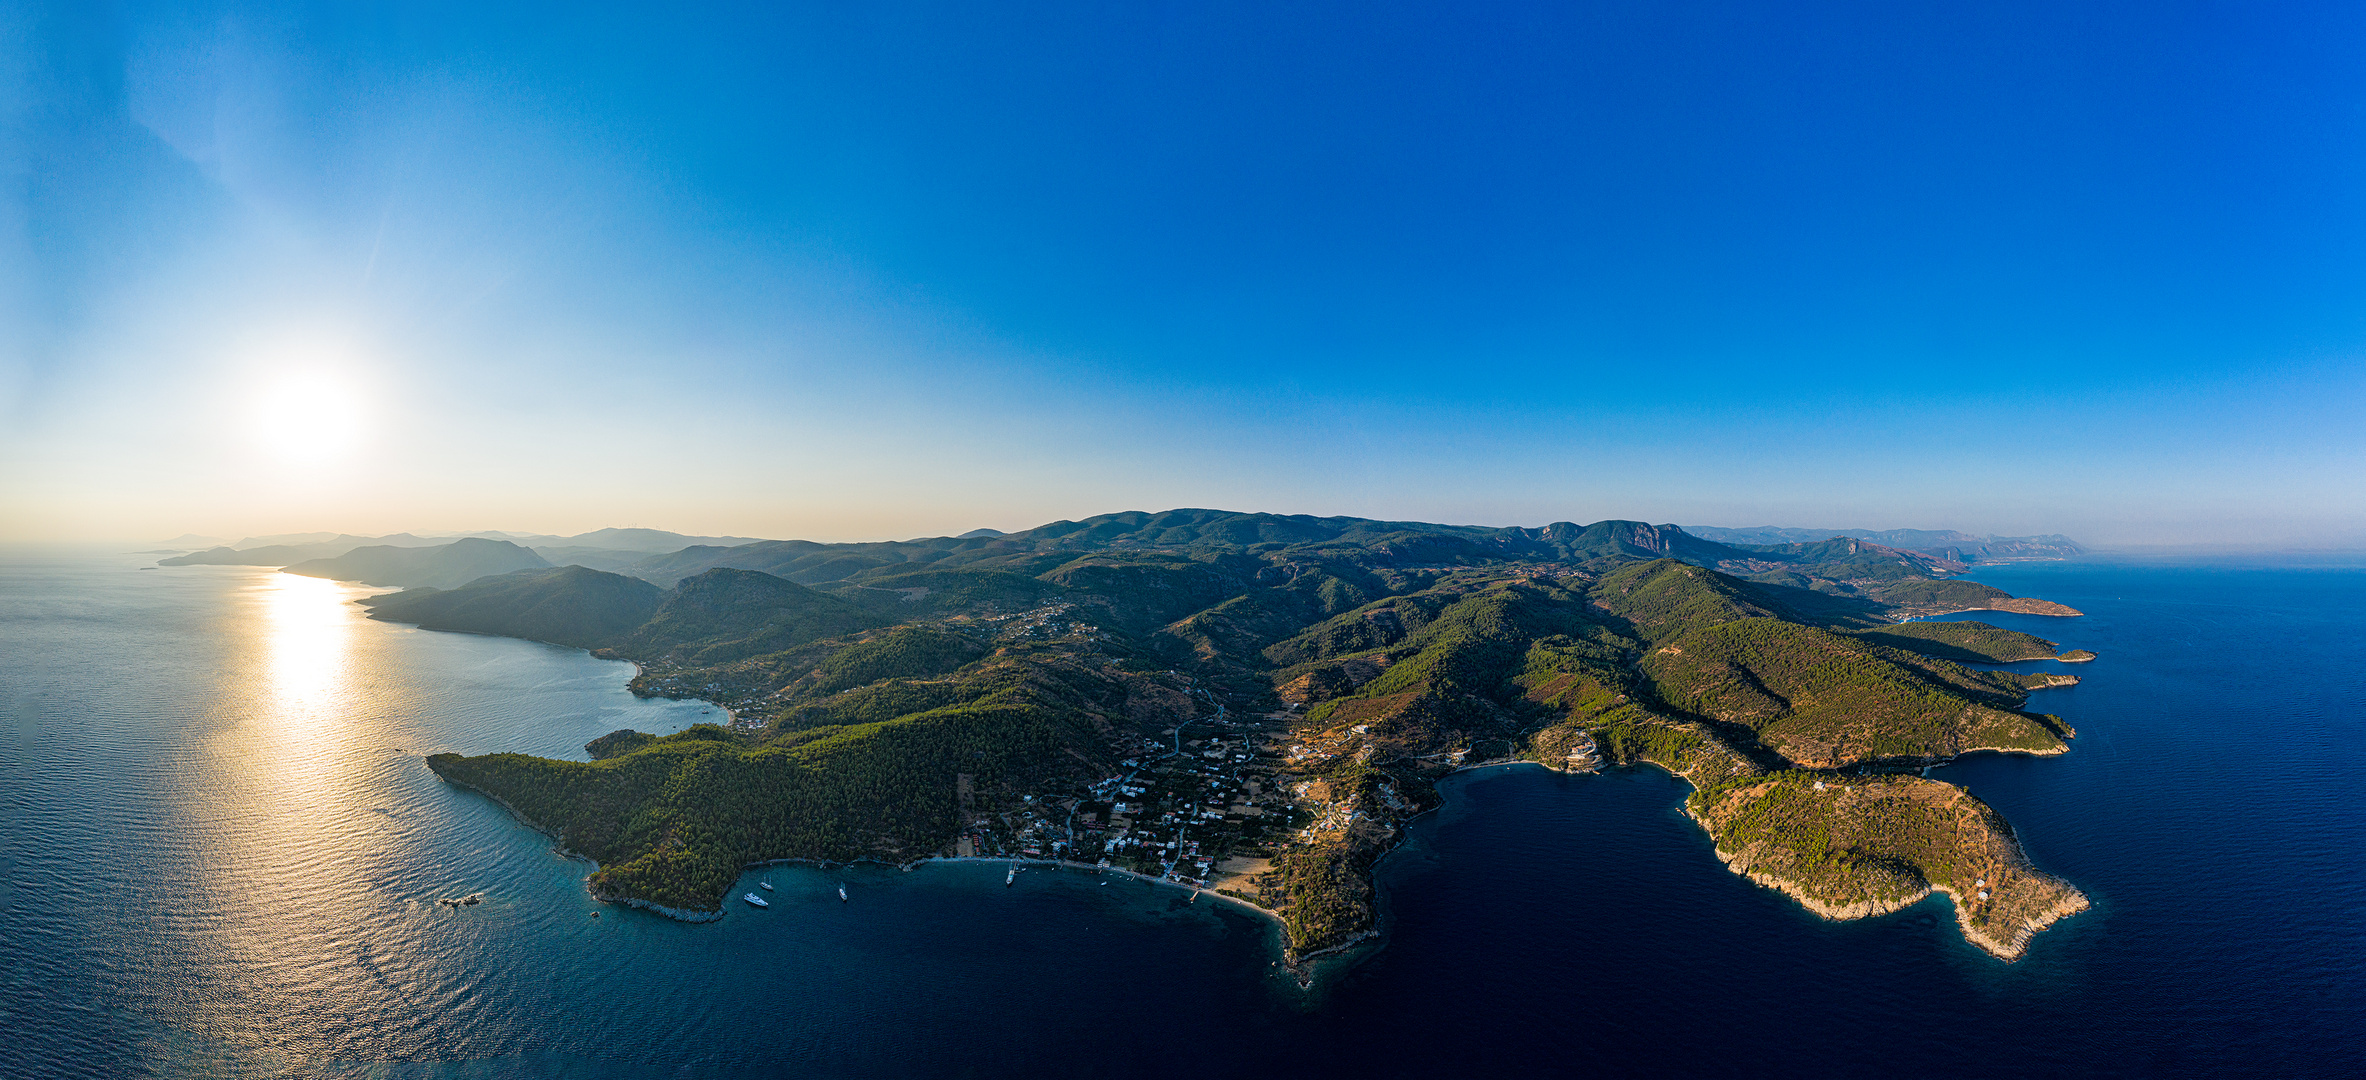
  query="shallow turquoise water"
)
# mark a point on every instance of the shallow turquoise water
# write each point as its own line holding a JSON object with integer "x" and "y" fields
{"x": 220, "y": 854}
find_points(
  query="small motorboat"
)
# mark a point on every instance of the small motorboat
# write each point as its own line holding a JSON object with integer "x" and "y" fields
{"x": 841, "y": 892}
{"x": 757, "y": 900}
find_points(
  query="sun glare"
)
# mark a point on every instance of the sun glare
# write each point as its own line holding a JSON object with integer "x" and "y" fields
{"x": 308, "y": 624}
{"x": 306, "y": 419}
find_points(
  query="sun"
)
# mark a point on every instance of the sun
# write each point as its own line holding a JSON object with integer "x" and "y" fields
{"x": 306, "y": 418}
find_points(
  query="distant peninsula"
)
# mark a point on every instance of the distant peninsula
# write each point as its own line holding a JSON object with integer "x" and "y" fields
{"x": 1259, "y": 704}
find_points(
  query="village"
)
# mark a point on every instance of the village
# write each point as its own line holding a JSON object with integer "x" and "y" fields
{"x": 1205, "y": 804}
{"x": 1202, "y": 806}
{"x": 744, "y": 709}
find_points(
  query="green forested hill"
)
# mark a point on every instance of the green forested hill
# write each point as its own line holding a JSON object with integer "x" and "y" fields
{"x": 674, "y": 819}
{"x": 1970, "y": 642}
{"x": 1847, "y": 567}
{"x": 906, "y": 652}
{"x": 881, "y": 688}
{"x": 910, "y": 593}
{"x": 568, "y": 606}
{"x": 1823, "y": 699}
{"x": 443, "y": 566}
{"x": 1664, "y": 599}
{"x": 1460, "y": 651}
{"x": 723, "y": 615}
{"x": 1675, "y": 639}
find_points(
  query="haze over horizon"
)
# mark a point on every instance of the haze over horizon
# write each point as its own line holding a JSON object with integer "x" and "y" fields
{"x": 790, "y": 271}
{"x": 254, "y": 539}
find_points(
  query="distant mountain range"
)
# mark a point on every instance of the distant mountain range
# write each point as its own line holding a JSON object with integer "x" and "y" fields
{"x": 664, "y": 558}
{"x": 1957, "y": 546}
{"x": 446, "y": 566}
{"x": 188, "y": 542}
{"x": 654, "y": 540}
{"x": 603, "y": 549}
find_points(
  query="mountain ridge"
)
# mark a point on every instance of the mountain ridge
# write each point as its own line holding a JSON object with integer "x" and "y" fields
{"x": 1962, "y": 547}
{"x": 444, "y": 566}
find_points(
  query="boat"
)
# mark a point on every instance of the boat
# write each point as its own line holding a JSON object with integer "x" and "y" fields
{"x": 841, "y": 892}
{"x": 1012, "y": 876}
{"x": 757, "y": 900}
{"x": 767, "y": 885}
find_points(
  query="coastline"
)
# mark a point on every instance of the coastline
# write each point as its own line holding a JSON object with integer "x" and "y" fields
{"x": 559, "y": 844}
{"x": 1071, "y": 864}
{"x": 2014, "y": 949}
{"x": 674, "y": 913}
{"x": 2057, "y": 751}
{"x": 2015, "y": 605}
{"x": 1298, "y": 965}
{"x": 2008, "y": 948}
{"x": 1863, "y": 909}
{"x": 1024, "y": 860}
{"x": 694, "y": 916}
{"x": 1301, "y": 965}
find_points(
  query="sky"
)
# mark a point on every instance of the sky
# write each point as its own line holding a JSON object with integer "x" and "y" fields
{"x": 882, "y": 270}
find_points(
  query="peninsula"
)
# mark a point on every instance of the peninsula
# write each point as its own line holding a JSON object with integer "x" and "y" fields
{"x": 1259, "y": 704}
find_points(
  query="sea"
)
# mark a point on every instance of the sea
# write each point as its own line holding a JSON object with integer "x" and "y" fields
{"x": 222, "y": 855}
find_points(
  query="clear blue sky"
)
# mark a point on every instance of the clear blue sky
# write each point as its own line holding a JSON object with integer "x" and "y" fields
{"x": 863, "y": 270}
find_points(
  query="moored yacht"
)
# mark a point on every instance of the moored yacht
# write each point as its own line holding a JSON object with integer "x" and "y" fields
{"x": 841, "y": 892}
{"x": 757, "y": 900}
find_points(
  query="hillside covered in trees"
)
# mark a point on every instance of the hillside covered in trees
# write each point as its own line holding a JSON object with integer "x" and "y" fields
{"x": 896, "y": 701}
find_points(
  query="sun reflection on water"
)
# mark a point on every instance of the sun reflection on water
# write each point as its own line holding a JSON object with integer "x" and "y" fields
{"x": 264, "y": 871}
{"x": 307, "y": 628}
{"x": 280, "y": 806}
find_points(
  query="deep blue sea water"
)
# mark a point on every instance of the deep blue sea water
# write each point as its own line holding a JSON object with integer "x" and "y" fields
{"x": 220, "y": 855}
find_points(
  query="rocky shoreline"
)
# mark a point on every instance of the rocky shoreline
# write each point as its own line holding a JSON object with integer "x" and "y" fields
{"x": 1863, "y": 909}
{"x": 2017, "y": 882}
{"x": 2012, "y": 947}
{"x": 559, "y": 843}
{"x": 2009, "y": 947}
{"x": 677, "y": 914}
{"x": 2017, "y": 605}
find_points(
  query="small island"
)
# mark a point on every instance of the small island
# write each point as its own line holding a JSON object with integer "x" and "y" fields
{"x": 1258, "y": 706}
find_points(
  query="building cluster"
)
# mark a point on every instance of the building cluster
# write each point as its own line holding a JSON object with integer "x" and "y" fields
{"x": 744, "y": 709}
{"x": 1177, "y": 810}
{"x": 1051, "y": 622}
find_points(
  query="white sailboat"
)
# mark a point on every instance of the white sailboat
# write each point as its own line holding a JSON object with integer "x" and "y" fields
{"x": 841, "y": 892}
